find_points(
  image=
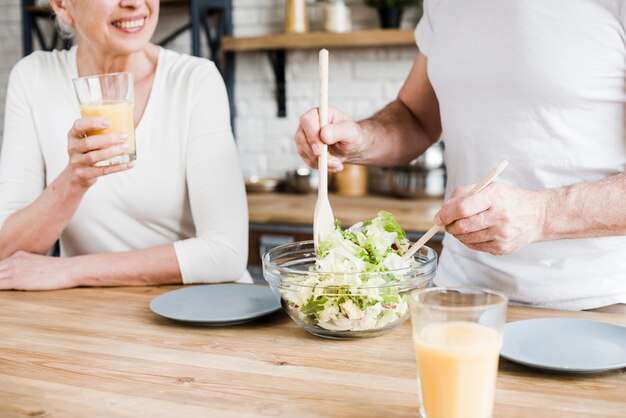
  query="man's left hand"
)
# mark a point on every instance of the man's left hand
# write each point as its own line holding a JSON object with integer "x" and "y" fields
{"x": 499, "y": 220}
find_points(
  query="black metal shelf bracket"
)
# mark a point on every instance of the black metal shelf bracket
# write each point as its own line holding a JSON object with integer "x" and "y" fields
{"x": 278, "y": 61}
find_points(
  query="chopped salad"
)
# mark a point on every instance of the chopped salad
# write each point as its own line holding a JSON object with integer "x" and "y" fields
{"x": 354, "y": 302}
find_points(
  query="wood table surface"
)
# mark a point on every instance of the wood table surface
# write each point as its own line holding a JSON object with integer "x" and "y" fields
{"x": 412, "y": 215}
{"x": 102, "y": 353}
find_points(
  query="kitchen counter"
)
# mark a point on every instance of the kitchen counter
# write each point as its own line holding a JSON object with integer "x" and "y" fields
{"x": 282, "y": 208}
{"x": 101, "y": 352}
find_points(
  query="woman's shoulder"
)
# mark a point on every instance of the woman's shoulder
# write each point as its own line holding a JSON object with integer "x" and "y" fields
{"x": 40, "y": 65}
{"x": 184, "y": 65}
{"x": 44, "y": 60}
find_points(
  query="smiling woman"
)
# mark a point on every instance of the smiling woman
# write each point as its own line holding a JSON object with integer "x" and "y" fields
{"x": 176, "y": 213}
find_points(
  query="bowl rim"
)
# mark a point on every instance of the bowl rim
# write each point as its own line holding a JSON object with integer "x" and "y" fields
{"x": 430, "y": 265}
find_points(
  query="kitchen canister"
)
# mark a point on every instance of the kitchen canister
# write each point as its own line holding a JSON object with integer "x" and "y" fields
{"x": 296, "y": 20}
{"x": 337, "y": 17}
{"x": 352, "y": 180}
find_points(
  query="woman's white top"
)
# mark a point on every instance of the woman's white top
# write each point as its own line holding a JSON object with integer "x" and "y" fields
{"x": 185, "y": 189}
{"x": 543, "y": 85}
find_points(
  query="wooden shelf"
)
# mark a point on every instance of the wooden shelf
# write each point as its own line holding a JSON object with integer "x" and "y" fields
{"x": 314, "y": 40}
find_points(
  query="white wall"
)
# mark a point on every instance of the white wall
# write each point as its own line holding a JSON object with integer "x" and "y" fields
{"x": 361, "y": 80}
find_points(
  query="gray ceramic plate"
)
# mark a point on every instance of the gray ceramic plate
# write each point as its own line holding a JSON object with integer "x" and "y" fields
{"x": 216, "y": 304}
{"x": 565, "y": 345}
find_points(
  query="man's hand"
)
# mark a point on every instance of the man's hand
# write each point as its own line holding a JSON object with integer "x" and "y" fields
{"x": 499, "y": 220}
{"x": 343, "y": 136}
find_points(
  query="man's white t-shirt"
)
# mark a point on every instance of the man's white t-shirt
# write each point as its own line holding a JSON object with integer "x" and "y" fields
{"x": 543, "y": 85}
{"x": 186, "y": 187}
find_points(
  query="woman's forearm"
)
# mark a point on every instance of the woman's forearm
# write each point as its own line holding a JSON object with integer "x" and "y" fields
{"x": 152, "y": 266}
{"x": 36, "y": 227}
{"x": 585, "y": 210}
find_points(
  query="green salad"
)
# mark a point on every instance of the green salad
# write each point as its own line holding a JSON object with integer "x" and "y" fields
{"x": 353, "y": 285}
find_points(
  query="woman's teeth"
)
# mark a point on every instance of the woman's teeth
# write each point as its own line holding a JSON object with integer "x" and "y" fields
{"x": 128, "y": 24}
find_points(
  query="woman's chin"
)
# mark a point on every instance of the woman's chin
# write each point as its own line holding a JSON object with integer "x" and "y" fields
{"x": 128, "y": 46}
{"x": 131, "y": 40}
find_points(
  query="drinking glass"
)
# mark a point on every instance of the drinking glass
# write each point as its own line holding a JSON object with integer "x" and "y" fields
{"x": 457, "y": 335}
{"x": 109, "y": 96}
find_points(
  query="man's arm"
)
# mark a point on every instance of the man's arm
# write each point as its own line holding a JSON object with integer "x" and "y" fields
{"x": 395, "y": 135}
{"x": 406, "y": 127}
{"x": 585, "y": 210}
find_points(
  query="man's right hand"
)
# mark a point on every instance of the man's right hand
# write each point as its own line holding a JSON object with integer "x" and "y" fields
{"x": 343, "y": 136}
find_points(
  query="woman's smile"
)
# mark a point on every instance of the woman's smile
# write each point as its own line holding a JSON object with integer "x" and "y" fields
{"x": 130, "y": 24}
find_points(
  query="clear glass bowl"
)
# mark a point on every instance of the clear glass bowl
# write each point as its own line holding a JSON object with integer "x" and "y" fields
{"x": 372, "y": 304}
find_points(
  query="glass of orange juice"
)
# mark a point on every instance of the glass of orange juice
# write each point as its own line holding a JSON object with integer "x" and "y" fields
{"x": 109, "y": 96}
{"x": 457, "y": 335}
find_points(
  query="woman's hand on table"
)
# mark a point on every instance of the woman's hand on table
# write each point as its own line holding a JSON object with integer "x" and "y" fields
{"x": 85, "y": 151}
{"x": 26, "y": 271}
{"x": 499, "y": 220}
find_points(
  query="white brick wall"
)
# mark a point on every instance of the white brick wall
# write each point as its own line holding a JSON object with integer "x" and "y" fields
{"x": 361, "y": 80}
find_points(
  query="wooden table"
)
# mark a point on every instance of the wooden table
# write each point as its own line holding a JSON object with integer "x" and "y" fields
{"x": 102, "y": 353}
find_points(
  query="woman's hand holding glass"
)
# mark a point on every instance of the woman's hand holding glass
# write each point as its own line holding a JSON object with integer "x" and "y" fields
{"x": 85, "y": 151}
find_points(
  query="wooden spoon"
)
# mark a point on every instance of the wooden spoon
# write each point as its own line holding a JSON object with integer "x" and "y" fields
{"x": 323, "y": 218}
{"x": 433, "y": 230}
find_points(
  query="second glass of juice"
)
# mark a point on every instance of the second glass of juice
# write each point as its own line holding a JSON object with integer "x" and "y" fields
{"x": 457, "y": 335}
{"x": 109, "y": 96}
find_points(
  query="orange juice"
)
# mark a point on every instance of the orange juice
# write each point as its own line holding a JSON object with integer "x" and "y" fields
{"x": 458, "y": 365}
{"x": 121, "y": 115}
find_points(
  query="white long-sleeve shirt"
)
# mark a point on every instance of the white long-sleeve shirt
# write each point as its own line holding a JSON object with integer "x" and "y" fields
{"x": 186, "y": 187}
{"x": 543, "y": 85}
